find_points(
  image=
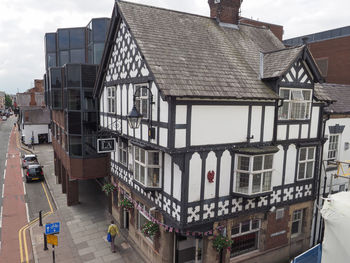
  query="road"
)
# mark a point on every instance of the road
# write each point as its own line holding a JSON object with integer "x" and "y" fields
{"x": 20, "y": 203}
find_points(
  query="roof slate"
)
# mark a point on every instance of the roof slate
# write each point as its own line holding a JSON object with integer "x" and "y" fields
{"x": 338, "y": 93}
{"x": 278, "y": 62}
{"x": 194, "y": 56}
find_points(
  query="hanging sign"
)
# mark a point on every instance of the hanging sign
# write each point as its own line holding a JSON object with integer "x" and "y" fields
{"x": 52, "y": 239}
{"x": 106, "y": 145}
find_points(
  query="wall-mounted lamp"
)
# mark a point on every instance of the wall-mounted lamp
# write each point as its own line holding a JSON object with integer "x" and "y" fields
{"x": 134, "y": 118}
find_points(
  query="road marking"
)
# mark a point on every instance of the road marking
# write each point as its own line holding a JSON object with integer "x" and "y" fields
{"x": 47, "y": 197}
{"x": 6, "y": 163}
{"x": 3, "y": 189}
{"x": 27, "y": 210}
{"x": 24, "y": 188}
{"x": 22, "y": 172}
{"x": 4, "y": 174}
{"x": 1, "y": 217}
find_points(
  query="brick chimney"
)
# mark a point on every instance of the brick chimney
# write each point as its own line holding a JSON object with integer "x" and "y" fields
{"x": 226, "y": 11}
{"x": 32, "y": 99}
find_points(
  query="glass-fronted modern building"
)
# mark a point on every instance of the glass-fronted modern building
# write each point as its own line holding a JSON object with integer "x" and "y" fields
{"x": 72, "y": 57}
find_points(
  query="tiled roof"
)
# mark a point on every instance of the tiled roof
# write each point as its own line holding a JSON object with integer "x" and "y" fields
{"x": 278, "y": 62}
{"x": 194, "y": 56}
{"x": 338, "y": 93}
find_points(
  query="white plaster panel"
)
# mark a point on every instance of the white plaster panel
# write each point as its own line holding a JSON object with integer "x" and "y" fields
{"x": 180, "y": 138}
{"x": 304, "y": 131}
{"x": 125, "y": 124}
{"x": 269, "y": 123}
{"x": 181, "y": 114}
{"x": 256, "y": 123}
{"x": 225, "y": 174}
{"x": 278, "y": 167}
{"x": 167, "y": 174}
{"x": 163, "y": 137}
{"x": 194, "y": 187}
{"x": 177, "y": 182}
{"x": 124, "y": 98}
{"x": 144, "y": 132}
{"x": 155, "y": 100}
{"x": 33, "y": 130}
{"x": 218, "y": 124}
{"x": 130, "y": 98}
{"x": 210, "y": 165}
{"x": 164, "y": 108}
{"x": 138, "y": 133}
{"x": 290, "y": 165}
{"x": 293, "y": 132}
{"x": 281, "y": 132}
{"x": 117, "y": 93}
{"x": 314, "y": 121}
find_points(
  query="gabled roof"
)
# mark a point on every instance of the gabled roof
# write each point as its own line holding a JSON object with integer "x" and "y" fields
{"x": 194, "y": 56}
{"x": 339, "y": 94}
{"x": 276, "y": 63}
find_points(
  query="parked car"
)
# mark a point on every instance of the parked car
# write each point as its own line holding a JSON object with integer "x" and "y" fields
{"x": 4, "y": 118}
{"x": 29, "y": 159}
{"x": 34, "y": 172}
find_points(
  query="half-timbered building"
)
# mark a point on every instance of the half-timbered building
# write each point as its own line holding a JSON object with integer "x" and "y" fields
{"x": 230, "y": 137}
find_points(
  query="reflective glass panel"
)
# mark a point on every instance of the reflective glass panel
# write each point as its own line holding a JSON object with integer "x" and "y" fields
{"x": 75, "y": 145}
{"x": 77, "y": 56}
{"x": 77, "y": 38}
{"x": 64, "y": 58}
{"x": 63, "y": 39}
{"x": 73, "y": 75}
{"x": 98, "y": 50}
{"x": 74, "y": 99}
{"x": 74, "y": 122}
{"x": 50, "y": 42}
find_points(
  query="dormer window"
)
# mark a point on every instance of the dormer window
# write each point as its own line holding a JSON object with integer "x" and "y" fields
{"x": 142, "y": 100}
{"x": 296, "y": 105}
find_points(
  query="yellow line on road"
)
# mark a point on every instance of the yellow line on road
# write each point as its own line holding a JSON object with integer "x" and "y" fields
{"x": 22, "y": 231}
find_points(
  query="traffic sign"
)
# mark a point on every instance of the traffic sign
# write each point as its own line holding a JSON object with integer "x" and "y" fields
{"x": 52, "y": 228}
{"x": 52, "y": 239}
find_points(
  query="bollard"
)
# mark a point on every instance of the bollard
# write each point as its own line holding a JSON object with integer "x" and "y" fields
{"x": 45, "y": 242}
{"x": 40, "y": 219}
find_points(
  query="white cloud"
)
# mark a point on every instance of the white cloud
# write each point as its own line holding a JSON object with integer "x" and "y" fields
{"x": 23, "y": 24}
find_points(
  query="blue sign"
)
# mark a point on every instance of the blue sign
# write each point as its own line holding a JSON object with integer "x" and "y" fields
{"x": 313, "y": 255}
{"x": 52, "y": 228}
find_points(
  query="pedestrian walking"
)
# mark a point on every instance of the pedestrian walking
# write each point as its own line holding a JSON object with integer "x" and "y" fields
{"x": 113, "y": 231}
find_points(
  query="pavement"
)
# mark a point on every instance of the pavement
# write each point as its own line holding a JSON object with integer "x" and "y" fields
{"x": 83, "y": 227}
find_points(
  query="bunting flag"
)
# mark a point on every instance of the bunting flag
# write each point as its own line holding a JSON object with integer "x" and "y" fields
{"x": 153, "y": 220}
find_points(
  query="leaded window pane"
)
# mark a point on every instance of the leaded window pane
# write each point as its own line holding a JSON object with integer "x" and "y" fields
{"x": 243, "y": 163}
{"x": 256, "y": 183}
{"x": 258, "y": 163}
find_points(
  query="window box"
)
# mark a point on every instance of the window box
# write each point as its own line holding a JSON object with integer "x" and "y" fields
{"x": 296, "y": 105}
{"x": 147, "y": 169}
{"x": 253, "y": 175}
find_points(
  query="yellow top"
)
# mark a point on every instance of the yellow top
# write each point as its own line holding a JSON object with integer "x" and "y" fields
{"x": 113, "y": 229}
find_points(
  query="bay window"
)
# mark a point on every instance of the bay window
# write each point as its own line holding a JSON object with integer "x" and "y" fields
{"x": 306, "y": 163}
{"x": 147, "y": 167}
{"x": 296, "y": 105}
{"x": 253, "y": 174}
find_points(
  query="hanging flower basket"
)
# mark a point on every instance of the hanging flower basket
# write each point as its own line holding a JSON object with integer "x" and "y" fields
{"x": 220, "y": 242}
{"x": 127, "y": 204}
{"x": 108, "y": 188}
{"x": 149, "y": 229}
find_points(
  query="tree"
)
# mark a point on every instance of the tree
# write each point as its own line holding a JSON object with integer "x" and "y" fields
{"x": 8, "y": 101}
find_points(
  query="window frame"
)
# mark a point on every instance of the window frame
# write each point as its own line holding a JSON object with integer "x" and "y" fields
{"x": 251, "y": 172}
{"x": 140, "y": 99}
{"x": 306, "y": 161}
{"x": 111, "y": 97}
{"x": 146, "y": 166}
{"x": 140, "y": 213}
{"x": 123, "y": 149}
{"x": 245, "y": 233}
{"x": 299, "y": 220}
{"x": 336, "y": 149}
{"x": 291, "y": 102}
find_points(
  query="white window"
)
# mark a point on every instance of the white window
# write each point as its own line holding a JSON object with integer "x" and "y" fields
{"x": 296, "y": 105}
{"x": 111, "y": 99}
{"x": 297, "y": 222}
{"x": 333, "y": 147}
{"x": 142, "y": 100}
{"x": 253, "y": 174}
{"x": 306, "y": 163}
{"x": 245, "y": 236}
{"x": 123, "y": 151}
{"x": 147, "y": 169}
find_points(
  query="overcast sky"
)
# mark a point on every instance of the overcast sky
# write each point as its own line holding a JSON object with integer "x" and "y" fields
{"x": 23, "y": 24}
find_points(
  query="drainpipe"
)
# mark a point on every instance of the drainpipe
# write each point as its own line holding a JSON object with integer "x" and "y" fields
{"x": 319, "y": 180}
